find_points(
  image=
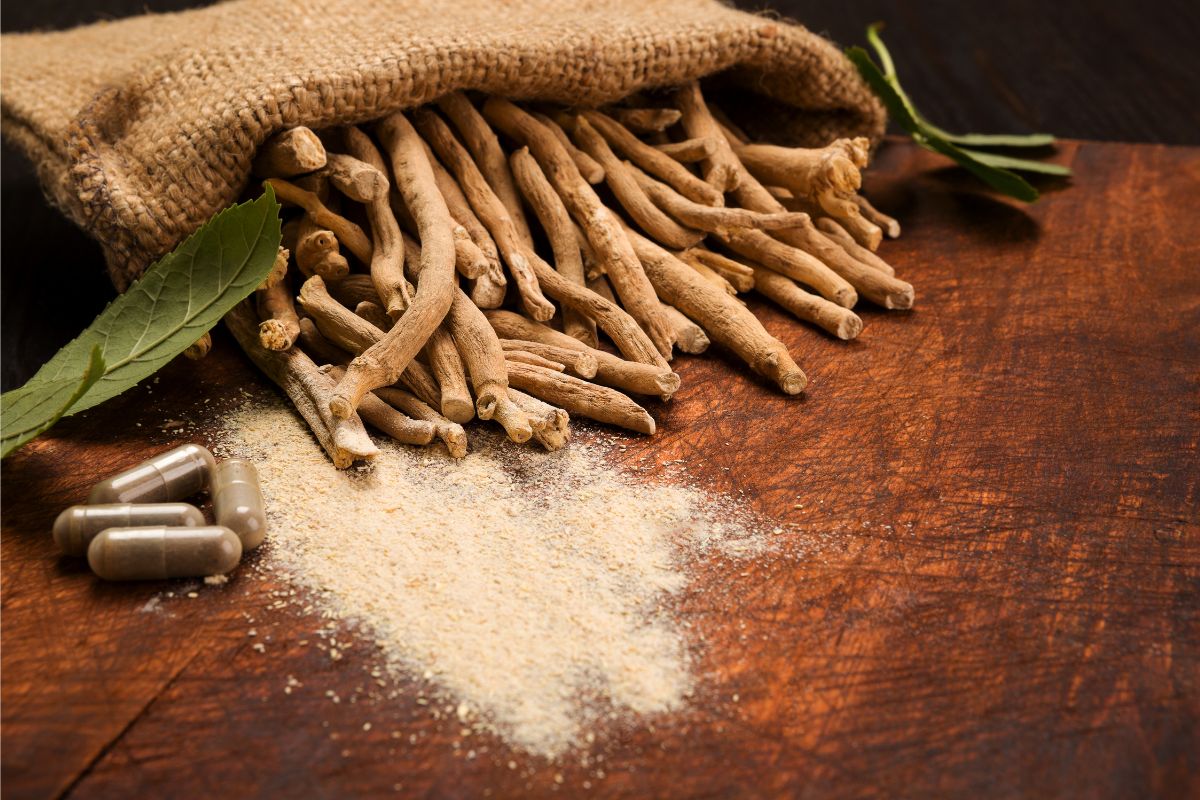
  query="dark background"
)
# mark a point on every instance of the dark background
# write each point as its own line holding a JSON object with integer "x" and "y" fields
{"x": 1122, "y": 71}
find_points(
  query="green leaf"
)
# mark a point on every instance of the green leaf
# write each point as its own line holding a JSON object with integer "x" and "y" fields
{"x": 30, "y": 410}
{"x": 176, "y": 301}
{"x": 1021, "y": 164}
{"x": 993, "y": 169}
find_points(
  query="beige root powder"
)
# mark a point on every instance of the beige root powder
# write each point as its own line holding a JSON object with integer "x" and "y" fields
{"x": 534, "y": 588}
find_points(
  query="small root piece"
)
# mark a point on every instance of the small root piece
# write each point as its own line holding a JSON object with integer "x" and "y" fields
{"x": 654, "y": 161}
{"x": 580, "y": 398}
{"x": 645, "y": 120}
{"x": 630, "y": 376}
{"x": 724, "y": 319}
{"x": 622, "y": 180}
{"x": 280, "y": 325}
{"x": 721, "y": 169}
{"x": 890, "y": 225}
{"x": 581, "y": 363}
{"x": 737, "y": 273}
{"x": 344, "y": 438}
{"x": 551, "y": 425}
{"x": 689, "y": 337}
{"x": 841, "y": 322}
{"x": 592, "y": 170}
{"x": 278, "y": 269}
{"x": 289, "y": 153}
{"x": 450, "y": 433}
{"x": 447, "y": 369}
{"x": 362, "y": 182}
{"x": 840, "y": 235}
{"x": 792, "y": 262}
{"x": 317, "y": 251}
{"x": 689, "y": 150}
{"x": 829, "y": 176}
{"x": 199, "y": 348}
{"x": 709, "y": 218}
{"x": 560, "y": 231}
{"x": 347, "y": 232}
{"x": 387, "y": 258}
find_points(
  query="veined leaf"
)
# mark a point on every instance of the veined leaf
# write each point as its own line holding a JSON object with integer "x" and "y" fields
{"x": 993, "y": 169}
{"x": 30, "y": 410}
{"x": 174, "y": 303}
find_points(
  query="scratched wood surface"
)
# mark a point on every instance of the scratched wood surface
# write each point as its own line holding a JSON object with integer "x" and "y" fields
{"x": 1005, "y": 600}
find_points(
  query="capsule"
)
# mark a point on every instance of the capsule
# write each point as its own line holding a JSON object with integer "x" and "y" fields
{"x": 238, "y": 501}
{"x": 78, "y": 525}
{"x": 147, "y": 554}
{"x": 172, "y": 475}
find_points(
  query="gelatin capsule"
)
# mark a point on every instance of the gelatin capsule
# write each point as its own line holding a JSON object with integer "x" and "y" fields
{"x": 238, "y": 501}
{"x": 78, "y": 525}
{"x": 172, "y": 475}
{"x": 138, "y": 554}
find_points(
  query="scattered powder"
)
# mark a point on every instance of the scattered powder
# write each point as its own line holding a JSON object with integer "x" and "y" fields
{"x": 533, "y": 588}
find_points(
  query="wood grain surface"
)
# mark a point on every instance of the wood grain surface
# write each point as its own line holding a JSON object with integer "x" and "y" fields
{"x": 1005, "y": 600}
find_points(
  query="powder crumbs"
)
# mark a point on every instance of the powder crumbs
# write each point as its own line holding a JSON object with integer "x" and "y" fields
{"x": 533, "y": 588}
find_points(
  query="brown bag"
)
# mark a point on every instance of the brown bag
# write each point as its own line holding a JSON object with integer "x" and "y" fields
{"x": 142, "y": 129}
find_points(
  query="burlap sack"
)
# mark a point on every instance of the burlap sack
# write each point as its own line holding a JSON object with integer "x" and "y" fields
{"x": 141, "y": 129}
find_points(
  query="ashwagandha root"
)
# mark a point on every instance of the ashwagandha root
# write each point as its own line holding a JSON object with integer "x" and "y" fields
{"x": 841, "y": 322}
{"x": 389, "y": 420}
{"x": 347, "y": 232}
{"x": 739, "y": 275}
{"x": 688, "y": 151}
{"x": 591, "y": 169}
{"x": 830, "y": 175}
{"x": 723, "y": 317}
{"x": 317, "y": 251}
{"x": 483, "y": 358}
{"x": 560, "y": 232}
{"x": 344, "y": 438}
{"x": 279, "y": 326}
{"x": 580, "y": 363}
{"x": 622, "y": 181}
{"x": 550, "y": 424}
{"x": 873, "y": 215}
{"x": 318, "y": 348}
{"x": 444, "y": 199}
{"x": 362, "y": 182}
{"x": 490, "y": 210}
{"x": 447, "y": 369}
{"x": 722, "y": 169}
{"x": 792, "y": 262}
{"x": 655, "y": 162}
{"x": 713, "y": 219}
{"x": 646, "y": 120}
{"x": 382, "y": 363}
{"x": 630, "y": 376}
{"x": 278, "y": 269}
{"x": 525, "y": 357}
{"x": 840, "y": 235}
{"x": 345, "y": 330}
{"x": 199, "y": 348}
{"x": 450, "y": 433}
{"x": 580, "y": 398}
{"x": 485, "y": 148}
{"x": 689, "y": 337}
{"x": 601, "y": 226}
{"x": 387, "y": 257}
{"x": 289, "y": 153}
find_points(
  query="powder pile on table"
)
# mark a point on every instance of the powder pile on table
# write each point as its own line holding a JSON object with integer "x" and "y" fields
{"x": 534, "y": 588}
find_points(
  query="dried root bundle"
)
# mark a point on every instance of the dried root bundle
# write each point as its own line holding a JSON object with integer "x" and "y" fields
{"x": 411, "y": 266}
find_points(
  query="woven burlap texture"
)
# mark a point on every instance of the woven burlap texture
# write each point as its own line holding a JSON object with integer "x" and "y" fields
{"x": 143, "y": 128}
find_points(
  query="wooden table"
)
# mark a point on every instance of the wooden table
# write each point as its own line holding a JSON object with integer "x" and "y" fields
{"x": 1006, "y": 600}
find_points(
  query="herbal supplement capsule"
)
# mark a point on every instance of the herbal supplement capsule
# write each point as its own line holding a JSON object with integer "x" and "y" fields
{"x": 137, "y": 554}
{"x": 173, "y": 475}
{"x": 238, "y": 501}
{"x": 78, "y": 525}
